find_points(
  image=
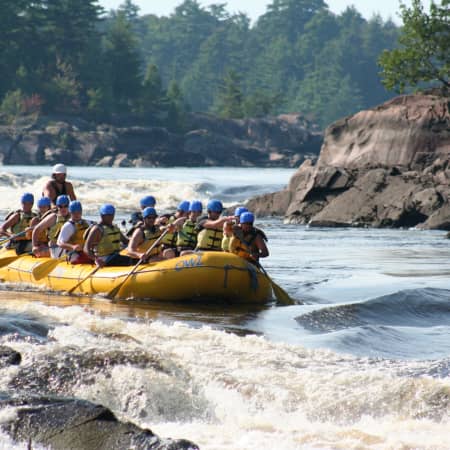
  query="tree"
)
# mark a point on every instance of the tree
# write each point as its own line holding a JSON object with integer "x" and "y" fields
{"x": 424, "y": 53}
{"x": 229, "y": 103}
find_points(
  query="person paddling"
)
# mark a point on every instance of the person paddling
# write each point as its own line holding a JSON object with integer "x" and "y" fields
{"x": 18, "y": 222}
{"x": 103, "y": 241}
{"x": 71, "y": 238}
{"x": 58, "y": 185}
{"x": 248, "y": 241}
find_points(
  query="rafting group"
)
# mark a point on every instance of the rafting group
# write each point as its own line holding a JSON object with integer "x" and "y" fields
{"x": 59, "y": 230}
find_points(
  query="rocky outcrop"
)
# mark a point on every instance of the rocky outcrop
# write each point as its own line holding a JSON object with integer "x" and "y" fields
{"x": 388, "y": 166}
{"x": 283, "y": 141}
{"x": 63, "y": 424}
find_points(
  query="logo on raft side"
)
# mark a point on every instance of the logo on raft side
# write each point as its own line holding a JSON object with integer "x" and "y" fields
{"x": 195, "y": 261}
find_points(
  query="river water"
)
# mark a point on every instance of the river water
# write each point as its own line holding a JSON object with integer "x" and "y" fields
{"x": 361, "y": 362}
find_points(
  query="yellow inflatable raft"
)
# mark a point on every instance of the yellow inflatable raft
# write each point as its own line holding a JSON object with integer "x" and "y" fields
{"x": 206, "y": 275}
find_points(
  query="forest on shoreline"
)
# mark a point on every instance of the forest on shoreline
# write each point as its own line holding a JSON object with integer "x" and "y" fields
{"x": 71, "y": 57}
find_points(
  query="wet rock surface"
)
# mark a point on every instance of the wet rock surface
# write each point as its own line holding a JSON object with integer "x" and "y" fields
{"x": 70, "y": 424}
{"x": 385, "y": 167}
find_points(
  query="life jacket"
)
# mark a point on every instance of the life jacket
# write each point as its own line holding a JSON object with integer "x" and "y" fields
{"x": 245, "y": 247}
{"x": 187, "y": 236}
{"x": 80, "y": 229}
{"x": 22, "y": 224}
{"x": 110, "y": 240}
{"x": 226, "y": 243}
{"x": 150, "y": 236}
{"x": 54, "y": 230}
{"x": 170, "y": 239}
{"x": 208, "y": 238}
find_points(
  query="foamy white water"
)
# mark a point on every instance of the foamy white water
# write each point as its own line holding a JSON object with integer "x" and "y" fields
{"x": 228, "y": 392}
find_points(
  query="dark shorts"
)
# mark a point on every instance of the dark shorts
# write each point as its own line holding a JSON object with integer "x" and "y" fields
{"x": 119, "y": 260}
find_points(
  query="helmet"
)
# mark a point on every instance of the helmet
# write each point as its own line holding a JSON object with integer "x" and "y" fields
{"x": 247, "y": 217}
{"x": 27, "y": 198}
{"x": 107, "y": 209}
{"x": 59, "y": 168}
{"x": 148, "y": 200}
{"x": 196, "y": 206}
{"x": 149, "y": 211}
{"x": 44, "y": 201}
{"x": 215, "y": 206}
{"x": 62, "y": 200}
{"x": 75, "y": 206}
{"x": 183, "y": 206}
{"x": 239, "y": 210}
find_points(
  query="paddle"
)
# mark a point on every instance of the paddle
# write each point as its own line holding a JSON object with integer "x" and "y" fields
{"x": 281, "y": 295}
{"x": 113, "y": 292}
{"x": 43, "y": 269}
{"x": 4, "y": 241}
{"x": 84, "y": 279}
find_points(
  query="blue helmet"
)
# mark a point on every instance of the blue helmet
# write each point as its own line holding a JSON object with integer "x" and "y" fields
{"x": 27, "y": 198}
{"x": 247, "y": 217}
{"x": 75, "y": 206}
{"x": 239, "y": 210}
{"x": 196, "y": 206}
{"x": 215, "y": 206}
{"x": 107, "y": 209}
{"x": 62, "y": 200}
{"x": 183, "y": 206}
{"x": 149, "y": 212}
{"x": 147, "y": 201}
{"x": 44, "y": 201}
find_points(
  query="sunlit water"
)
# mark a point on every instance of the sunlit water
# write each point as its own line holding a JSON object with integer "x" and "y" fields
{"x": 362, "y": 362}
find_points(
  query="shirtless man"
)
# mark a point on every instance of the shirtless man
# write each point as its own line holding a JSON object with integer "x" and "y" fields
{"x": 58, "y": 184}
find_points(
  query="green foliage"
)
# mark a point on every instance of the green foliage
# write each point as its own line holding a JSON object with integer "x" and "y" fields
{"x": 424, "y": 53}
{"x": 230, "y": 100}
{"x": 12, "y": 105}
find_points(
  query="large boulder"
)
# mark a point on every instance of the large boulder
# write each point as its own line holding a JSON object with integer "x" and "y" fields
{"x": 387, "y": 166}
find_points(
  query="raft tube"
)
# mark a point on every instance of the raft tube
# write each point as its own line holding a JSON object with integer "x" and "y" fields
{"x": 202, "y": 275}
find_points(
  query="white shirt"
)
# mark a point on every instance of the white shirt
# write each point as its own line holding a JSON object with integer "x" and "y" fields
{"x": 67, "y": 231}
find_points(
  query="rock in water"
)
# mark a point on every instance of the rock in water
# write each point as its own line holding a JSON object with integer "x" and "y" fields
{"x": 70, "y": 424}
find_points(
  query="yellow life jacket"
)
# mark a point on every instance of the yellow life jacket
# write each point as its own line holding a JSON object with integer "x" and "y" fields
{"x": 150, "y": 236}
{"x": 187, "y": 236}
{"x": 22, "y": 224}
{"x": 80, "y": 228}
{"x": 209, "y": 239}
{"x": 170, "y": 239}
{"x": 226, "y": 243}
{"x": 110, "y": 240}
{"x": 246, "y": 246}
{"x": 54, "y": 230}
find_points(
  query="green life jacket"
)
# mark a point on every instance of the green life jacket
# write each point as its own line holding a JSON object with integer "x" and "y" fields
{"x": 110, "y": 240}
{"x": 150, "y": 236}
{"x": 187, "y": 236}
{"x": 54, "y": 230}
{"x": 80, "y": 229}
{"x": 22, "y": 224}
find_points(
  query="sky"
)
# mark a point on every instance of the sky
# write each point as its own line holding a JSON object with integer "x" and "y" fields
{"x": 254, "y": 8}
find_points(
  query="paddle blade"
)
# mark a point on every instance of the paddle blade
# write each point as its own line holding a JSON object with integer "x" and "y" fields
{"x": 8, "y": 260}
{"x": 281, "y": 295}
{"x": 43, "y": 269}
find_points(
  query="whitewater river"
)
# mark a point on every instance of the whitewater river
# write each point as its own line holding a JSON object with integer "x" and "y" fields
{"x": 361, "y": 362}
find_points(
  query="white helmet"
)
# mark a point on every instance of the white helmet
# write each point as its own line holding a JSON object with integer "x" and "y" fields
{"x": 59, "y": 168}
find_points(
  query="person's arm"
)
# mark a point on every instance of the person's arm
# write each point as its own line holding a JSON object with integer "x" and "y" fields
{"x": 136, "y": 240}
{"x": 216, "y": 224}
{"x": 41, "y": 226}
{"x": 49, "y": 190}
{"x": 9, "y": 224}
{"x": 263, "y": 251}
{"x": 91, "y": 243}
{"x": 70, "y": 191}
{"x": 67, "y": 231}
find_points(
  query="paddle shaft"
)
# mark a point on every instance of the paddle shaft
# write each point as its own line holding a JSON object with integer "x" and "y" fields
{"x": 83, "y": 280}
{"x": 4, "y": 241}
{"x": 116, "y": 290}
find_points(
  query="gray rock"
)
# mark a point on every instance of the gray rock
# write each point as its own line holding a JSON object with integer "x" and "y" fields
{"x": 70, "y": 424}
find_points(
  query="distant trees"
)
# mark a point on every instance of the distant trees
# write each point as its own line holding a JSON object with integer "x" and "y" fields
{"x": 71, "y": 56}
{"x": 424, "y": 53}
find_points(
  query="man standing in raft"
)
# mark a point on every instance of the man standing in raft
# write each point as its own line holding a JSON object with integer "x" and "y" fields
{"x": 58, "y": 185}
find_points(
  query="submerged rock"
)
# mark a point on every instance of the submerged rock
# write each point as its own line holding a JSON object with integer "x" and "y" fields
{"x": 384, "y": 167}
{"x": 70, "y": 424}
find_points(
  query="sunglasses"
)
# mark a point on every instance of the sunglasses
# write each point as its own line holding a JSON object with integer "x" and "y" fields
{"x": 62, "y": 206}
